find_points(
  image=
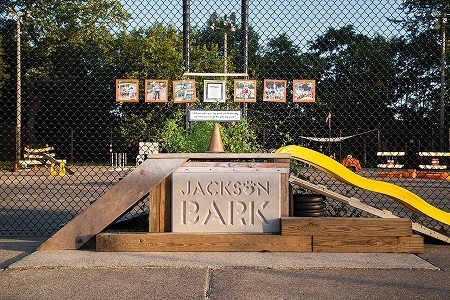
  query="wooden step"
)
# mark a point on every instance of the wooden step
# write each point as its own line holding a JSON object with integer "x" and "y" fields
{"x": 368, "y": 244}
{"x": 346, "y": 226}
{"x": 338, "y": 235}
{"x": 181, "y": 242}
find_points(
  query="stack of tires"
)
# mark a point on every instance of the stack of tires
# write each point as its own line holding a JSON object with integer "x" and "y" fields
{"x": 309, "y": 205}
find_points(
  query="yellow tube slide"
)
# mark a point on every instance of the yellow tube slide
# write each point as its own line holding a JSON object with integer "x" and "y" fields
{"x": 341, "y": 173}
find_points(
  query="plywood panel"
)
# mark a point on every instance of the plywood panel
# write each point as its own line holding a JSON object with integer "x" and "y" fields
{"x": 114, "y": 203}
{"x": 175, "y": 242}
{"x": 346, "y": 226}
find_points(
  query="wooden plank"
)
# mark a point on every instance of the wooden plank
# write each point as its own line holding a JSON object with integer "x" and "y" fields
{"x": 284, "y": 195}
{"x": 346, "y": 226}
{"x": 165, "y": 207}
{"x": 174, "y": 242}
{"x": 279, "y": 157}
{"x": 160, "y": 205}
{"x": 236, "y": 164}
{"x": 155, "y": 196}
{"x": 113, "y": 204}
{"x": 368, "y": 244}
{"x": 427, "y": 231}
{"x": 341, "y": 198}
{"x": 232, "y": 170}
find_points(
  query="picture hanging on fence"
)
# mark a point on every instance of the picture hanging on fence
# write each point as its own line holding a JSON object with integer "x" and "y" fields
{"x": 304, "y": 91}
{"x": 274, "y": 90}
{"x": 214, "y": 91}
{"x": 155, "y": 90}
{"x": 244, "y": 90}
{"x": 127, "y": 90}
{"x": 184, "y": 91}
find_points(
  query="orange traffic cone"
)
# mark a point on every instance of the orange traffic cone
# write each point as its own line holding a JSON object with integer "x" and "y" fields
{"x": 35, "y": 168}
{"x": 16, "y": 167}
{"x": 216, "y": 145}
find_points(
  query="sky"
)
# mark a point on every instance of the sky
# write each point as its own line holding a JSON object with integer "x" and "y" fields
{"x": 302, "y": 21}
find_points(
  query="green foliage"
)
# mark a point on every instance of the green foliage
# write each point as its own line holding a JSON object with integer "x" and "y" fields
{"x": 3, "y": 74}
{"x": 134, "y": 129}
{"x": 172, "y": 137}
{"x": 237, "y": 137}
{"x": 240, "y": 137}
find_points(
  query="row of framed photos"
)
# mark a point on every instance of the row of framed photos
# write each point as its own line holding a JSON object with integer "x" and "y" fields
{"x": 184, "y": 91}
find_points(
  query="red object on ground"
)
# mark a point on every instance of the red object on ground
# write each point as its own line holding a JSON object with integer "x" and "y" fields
{"x": 351, "y": 162}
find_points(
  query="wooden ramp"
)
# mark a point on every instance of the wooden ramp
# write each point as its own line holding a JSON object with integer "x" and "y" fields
{"x": 358, "y": 204}
{"x": 113, "y": 204}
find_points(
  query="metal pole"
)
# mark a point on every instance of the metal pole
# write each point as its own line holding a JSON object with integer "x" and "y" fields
{"x": 244, "y": 28}
{"x": 329, "y": 136}
{"x": 19, "y": 93}
{"x": 71, "y": 145}
{"x": 186, "y": 47}
{"x": 442, "y": 100}
{"x": 225, "y": 52}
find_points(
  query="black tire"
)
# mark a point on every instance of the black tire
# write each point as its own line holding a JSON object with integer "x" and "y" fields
{"x": 303, "y": 206}
{"x": 310, "y": 214}
{"x": 308, "y": 205}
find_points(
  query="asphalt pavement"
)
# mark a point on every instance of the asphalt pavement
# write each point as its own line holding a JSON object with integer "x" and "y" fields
{"x": 87, "y": 274}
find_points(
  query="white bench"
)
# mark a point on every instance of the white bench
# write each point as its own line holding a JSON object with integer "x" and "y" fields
{"x": 34, "y": 156}
{"x": 435, "y": 160}
{"x": 391, "y": 159}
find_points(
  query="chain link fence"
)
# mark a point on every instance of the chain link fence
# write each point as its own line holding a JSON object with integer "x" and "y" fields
{"x": 375, "y": 71}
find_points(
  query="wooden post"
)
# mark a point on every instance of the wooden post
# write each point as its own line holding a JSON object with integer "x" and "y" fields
{"x": 160, "y": 199}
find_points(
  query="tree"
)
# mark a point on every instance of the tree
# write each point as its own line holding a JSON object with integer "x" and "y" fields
{"x": 65, "y": 45}
{"x": 359, "y": 86}
{"x": 3, "y": 75}
{"x": 425, "y": 94}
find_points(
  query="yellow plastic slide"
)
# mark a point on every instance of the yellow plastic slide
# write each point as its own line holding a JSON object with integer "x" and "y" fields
{"x": 341, "y": 173}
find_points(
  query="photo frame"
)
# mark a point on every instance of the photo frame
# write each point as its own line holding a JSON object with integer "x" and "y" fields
{"x": 127, "y": 90}
{"x": 274, "y": 90}
{"x": 304, "y": 90}
{"x": 156, "y": 90}
{"x": 214, "y": 91}
{"x": 244, "y": 90}
{"x": 184, "y": 91}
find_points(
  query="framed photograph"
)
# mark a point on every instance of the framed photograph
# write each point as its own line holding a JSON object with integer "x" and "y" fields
{"x": 244, "y": 90}
{"x": 214, "y": 91}
{"x": 304, "y": 91}
{"x": 155, "y": 90}
{"x": 274, "y": 90}
{"x": 184, "y": 91}
{"x": 127, "y": 90}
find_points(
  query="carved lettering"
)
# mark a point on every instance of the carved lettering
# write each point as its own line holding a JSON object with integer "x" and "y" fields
{"x": 190, "y": 213}
{"x": 226, "y": 188}
{"x": 225, "y": 202}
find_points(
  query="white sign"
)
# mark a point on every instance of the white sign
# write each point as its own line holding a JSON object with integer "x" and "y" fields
{"x": 226, "y": 202}
{"x": 215, "y": 115}
{"x": 214, "y": 91}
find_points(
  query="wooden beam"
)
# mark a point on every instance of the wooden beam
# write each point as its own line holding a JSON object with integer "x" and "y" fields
{"x": 284, "y": 195}
{"x": 176, "y": 242}
{"x": 113, "y": 204}
{"x": 274, "y": 157}
{"x": 368, "y": 244}
{"x": 160, "y": 206}
{"x": 346, "y": 226}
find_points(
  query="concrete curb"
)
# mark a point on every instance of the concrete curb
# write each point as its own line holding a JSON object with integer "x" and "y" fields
{"x": 289, "y": 260}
